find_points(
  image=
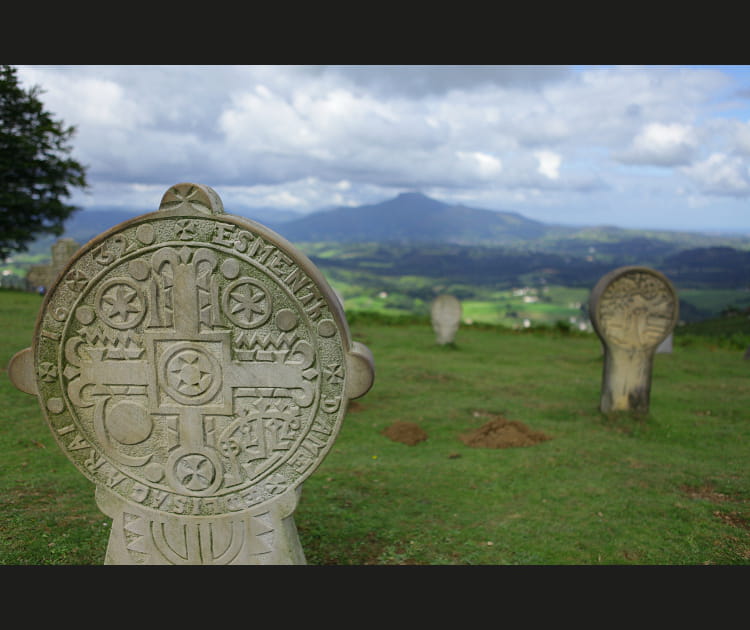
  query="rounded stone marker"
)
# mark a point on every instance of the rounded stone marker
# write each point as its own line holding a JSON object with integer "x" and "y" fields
{"x": 445, "y": 313}
{"x": 633, "y": 309}
{"x": 197, "y": 372}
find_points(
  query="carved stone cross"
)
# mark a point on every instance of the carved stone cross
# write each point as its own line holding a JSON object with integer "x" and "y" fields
{"x": 196, "y": 367}
{"x": 633, "y": 310}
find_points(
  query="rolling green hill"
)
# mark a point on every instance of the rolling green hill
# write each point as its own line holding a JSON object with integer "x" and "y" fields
{"x": 412, "y": 247}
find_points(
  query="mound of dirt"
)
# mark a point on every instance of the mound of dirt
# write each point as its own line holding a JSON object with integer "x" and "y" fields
{"x": 502, "y": 433}
{"x": 405, "y": 432}
{"x": 354, "y": 406}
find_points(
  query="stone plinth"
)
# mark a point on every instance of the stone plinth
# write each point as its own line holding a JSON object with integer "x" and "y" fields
{"x": 633, "y": 310}
{"x": 196, "y": 368}
{"x": 445, "y": 314}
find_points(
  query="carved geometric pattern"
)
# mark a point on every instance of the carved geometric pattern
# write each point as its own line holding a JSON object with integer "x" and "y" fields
{"x": 184, "y": 364}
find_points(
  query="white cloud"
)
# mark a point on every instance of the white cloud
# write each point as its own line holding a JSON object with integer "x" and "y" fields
{"x": 660, "y": 144}
{"x": 284, "y": 199}
{"x": 482, "y": 165}
{"x": 741, "y": 137}
{"x": 722, "y": 175}
{"x": 303, "y": 195}
{"x": 86, "y": 101}
{"x": 260, "y": 121}
{"x": 549, "y": 163}
{"x": 312, "y": 136}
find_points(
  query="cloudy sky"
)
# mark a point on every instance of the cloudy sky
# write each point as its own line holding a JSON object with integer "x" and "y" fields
{"x": 636, "y": 146}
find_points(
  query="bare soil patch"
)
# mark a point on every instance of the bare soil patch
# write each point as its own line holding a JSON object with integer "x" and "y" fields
{"x": 705, "y": 491}
{"x": 405, "y": 432}
{"x": 354, "y": 406}
{"x": 499, "y": 432}
{"x": 735, "y": 519}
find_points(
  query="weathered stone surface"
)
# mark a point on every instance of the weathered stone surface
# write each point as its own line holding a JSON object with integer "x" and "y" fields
{"x": 445, "y": 313}
{"x": 196, "y": 368}
{"x": 633, "y": 310}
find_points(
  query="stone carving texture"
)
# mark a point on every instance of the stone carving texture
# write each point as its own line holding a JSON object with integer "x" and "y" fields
{"x": 196, "y": 368}
{"x": 636, "y": 310}
{"x": 445, "y": 313}
{"x": 633, "y": 310}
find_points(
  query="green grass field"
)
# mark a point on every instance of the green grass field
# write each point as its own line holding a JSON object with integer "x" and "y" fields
{"x": 668, "y": 489}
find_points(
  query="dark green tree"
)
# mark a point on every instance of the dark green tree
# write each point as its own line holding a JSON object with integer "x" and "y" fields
{"x": 36, "y": 172}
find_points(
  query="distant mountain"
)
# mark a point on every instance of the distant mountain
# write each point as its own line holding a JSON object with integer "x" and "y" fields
{"x": 84, "y": 225}
{"x": 272, "y": 218}
{"x": 84, "y": 222}
{"x": 88, "y": 223}
{"x": 414, "y": 235}
{"x": 417, "y": 220}
{"x": 414, "y": 218}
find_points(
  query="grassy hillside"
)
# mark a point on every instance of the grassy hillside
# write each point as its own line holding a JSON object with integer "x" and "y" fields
{"x": 510, "y": 286}
{"x": 668, "y": 489}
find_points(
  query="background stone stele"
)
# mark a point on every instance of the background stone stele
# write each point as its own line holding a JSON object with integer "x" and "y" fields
{"x": 44, "y": 275}
{"x": 195, "y": 367}
{"x": 445, "y": 313}
{"x": 666, "y": 346}
{"x": 633, "y": 310}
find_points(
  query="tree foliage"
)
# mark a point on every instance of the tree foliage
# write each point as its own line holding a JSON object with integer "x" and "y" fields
{"x": 36, "y": 172}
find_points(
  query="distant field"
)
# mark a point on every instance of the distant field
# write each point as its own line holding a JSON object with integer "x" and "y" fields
{"x": 537, "y": 306}
{"x": 366, "y": 277}
{"x": 714, "y": 301}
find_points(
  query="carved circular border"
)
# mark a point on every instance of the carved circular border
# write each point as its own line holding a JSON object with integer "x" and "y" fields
{"x": 100, "y": 294}
{"x": 230, "y": 313}
{"x": 58, "y": 314}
